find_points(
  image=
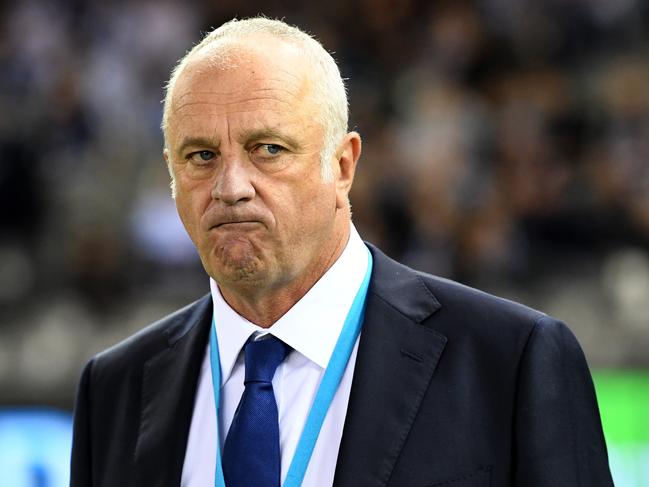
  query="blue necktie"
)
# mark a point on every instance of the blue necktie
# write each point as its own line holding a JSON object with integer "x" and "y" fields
{"x": 251, "y": 456}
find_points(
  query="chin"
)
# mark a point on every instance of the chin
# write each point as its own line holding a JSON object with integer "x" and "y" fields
{"x": 236, "y": 263}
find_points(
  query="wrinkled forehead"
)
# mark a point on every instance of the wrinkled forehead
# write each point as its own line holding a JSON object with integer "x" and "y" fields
{"x": 242, "y": 89}
{"x": 234, "y": 66}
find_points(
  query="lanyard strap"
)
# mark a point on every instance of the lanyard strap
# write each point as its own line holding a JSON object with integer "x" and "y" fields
{"x": 324, "y": 395}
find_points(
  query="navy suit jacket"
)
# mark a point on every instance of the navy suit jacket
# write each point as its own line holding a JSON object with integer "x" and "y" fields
{"x": 452, "y": 387}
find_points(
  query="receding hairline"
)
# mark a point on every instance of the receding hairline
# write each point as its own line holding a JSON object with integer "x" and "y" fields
{"x": 229, "y": 54}
{"x": 239, "y": 32}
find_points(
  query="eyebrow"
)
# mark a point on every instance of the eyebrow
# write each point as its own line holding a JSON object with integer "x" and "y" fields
{"x": 195, "y": 141}
{"x": 248, "y": 135}
{"x": 266, "y": 133}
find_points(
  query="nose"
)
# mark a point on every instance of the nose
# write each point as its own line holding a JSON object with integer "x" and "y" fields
{"x": 233, "y": 183}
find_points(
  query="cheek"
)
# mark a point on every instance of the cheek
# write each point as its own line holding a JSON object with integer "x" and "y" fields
{"x": 190, "y": 210}
{"x": 314, "y": 208}
{"x": 183, "y": 212}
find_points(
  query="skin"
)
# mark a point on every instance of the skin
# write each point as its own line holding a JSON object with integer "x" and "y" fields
{"x": 244, "y": 149}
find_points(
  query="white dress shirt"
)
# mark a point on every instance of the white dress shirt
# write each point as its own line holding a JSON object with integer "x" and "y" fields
{"x": 311, "y": 328}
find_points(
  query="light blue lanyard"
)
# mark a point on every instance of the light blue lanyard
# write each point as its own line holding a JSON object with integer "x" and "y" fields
{"x": 326, "y": 391}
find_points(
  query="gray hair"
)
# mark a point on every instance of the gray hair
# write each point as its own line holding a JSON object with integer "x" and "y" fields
{"x": 327, "y": 84}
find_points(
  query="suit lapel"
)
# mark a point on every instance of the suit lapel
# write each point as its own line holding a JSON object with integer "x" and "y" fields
{"x": 168, "y": 388}
{"x": 396, "y": 360}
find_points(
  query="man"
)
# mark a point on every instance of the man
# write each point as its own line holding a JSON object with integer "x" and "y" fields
{"x": 444, "y": 386}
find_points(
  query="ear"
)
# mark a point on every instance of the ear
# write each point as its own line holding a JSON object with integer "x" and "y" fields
{"x": 346, "y": 156}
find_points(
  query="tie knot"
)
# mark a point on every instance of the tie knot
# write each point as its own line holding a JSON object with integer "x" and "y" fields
{"x": 262, "y": 358}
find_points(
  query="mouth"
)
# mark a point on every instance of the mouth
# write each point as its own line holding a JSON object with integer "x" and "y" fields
{"x": 243, "y": 224}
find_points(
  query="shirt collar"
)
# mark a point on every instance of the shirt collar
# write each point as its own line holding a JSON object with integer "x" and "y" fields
{"x": 312, "y": 325}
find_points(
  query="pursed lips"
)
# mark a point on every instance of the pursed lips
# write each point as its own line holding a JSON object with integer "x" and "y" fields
{"x": 235, "y": 223}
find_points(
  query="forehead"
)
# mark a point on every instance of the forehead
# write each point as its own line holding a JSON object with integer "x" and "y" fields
{"x": 254, "y": 76}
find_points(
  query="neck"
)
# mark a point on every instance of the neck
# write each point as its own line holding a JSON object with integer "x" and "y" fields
{"x": 264, "y": 306}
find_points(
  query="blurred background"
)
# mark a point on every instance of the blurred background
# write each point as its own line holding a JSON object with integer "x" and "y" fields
{"x": 506, "y": 145}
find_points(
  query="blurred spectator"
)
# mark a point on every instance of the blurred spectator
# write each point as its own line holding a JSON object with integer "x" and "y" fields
{"x": 502, "y": 137}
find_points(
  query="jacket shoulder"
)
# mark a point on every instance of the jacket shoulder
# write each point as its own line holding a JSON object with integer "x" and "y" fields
{"x": 456, "y": 308}
{"x": 155, "y": 337}
{"x": 454, "y": 295}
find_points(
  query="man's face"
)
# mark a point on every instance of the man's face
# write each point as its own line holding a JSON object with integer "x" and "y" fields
{"x": 244, "y": 146}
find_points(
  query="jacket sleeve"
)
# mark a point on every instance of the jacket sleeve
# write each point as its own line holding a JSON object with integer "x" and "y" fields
{"x": 80, "y": 466}
{"x": 558, "y": 432}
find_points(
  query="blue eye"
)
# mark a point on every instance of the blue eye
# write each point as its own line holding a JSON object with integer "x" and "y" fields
{"x": 206, "y": 155}
{"x": 201, "y": 157}
{"x": 267, "y": 153}
{"x": 273, "y": 149}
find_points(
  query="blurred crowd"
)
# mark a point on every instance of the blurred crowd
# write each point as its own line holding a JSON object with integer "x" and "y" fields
{"x": 506, "y": 145}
